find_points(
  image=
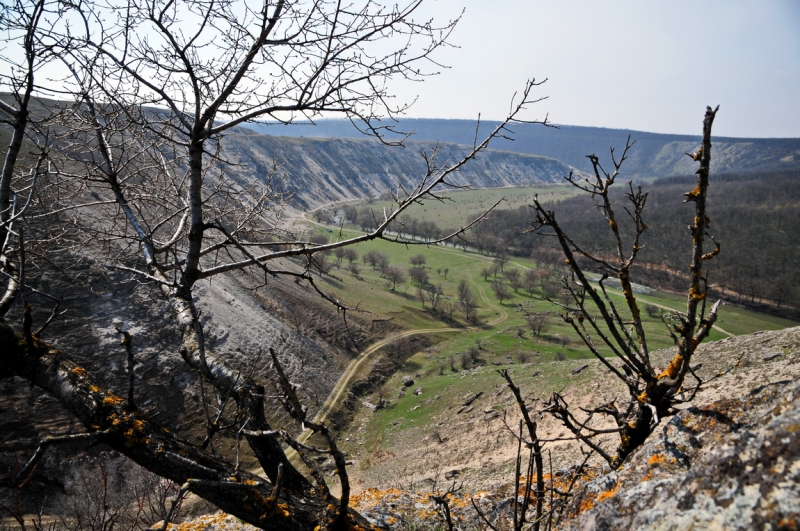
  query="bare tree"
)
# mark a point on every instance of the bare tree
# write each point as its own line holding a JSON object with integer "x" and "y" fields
{"x": 529, "y": 281}
{"x": 450, "y": 307}
{"x": 652, "y": 393}
{"x": 546, "y": 503}
{"x": 513, "y": 277}
{"x": 395, "y": 275}
{"x": 435, "y": 293}
{"x": 20, "y": 21}
{"x": 466, "y": 300}
{"x": 354, "y": 270}
{"x": 350, "y": 254}
{"x": 419, "y": 275}
{"x": 537, "y": 321}
{"x": 418, "y": 260}
{"x": 323, "y": 215}
{"x": 500, "y": 290}
{"x": 382, "y": 263}
{"x": 172, "y": 79}
{"x": 501, "y": 260}
{"x": 371, "y": 258}
{"x": 339, "y": 254}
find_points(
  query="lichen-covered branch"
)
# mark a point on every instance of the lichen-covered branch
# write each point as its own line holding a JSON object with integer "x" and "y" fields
{"x": 652, "y": 393}
{"x": 125, "y": 429}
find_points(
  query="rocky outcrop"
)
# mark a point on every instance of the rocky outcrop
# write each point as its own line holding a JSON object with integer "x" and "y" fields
{"x": 733, "y": 464}
{"x": 320, "y": 171}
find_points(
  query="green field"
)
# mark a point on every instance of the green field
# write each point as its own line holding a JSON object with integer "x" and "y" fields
{"x": 459, "y": 205}
{"x": 498, "y": 326}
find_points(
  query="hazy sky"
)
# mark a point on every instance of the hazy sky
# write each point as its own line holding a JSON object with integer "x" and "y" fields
{"x": 646, "y": 65}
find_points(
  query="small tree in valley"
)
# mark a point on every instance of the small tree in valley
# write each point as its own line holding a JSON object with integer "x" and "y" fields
{"x": 466, "y": 300}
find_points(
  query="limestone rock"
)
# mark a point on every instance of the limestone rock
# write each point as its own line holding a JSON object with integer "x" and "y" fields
{"x": 734, "y": 465}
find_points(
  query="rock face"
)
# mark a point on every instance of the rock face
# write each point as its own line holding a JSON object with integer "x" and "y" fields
{"x": 320, "y": 171}
{"x": 733, "y": 464}
{"x": 655, "y": 154}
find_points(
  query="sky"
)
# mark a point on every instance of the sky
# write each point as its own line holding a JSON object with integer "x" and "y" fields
{"x": 643, "y": 65}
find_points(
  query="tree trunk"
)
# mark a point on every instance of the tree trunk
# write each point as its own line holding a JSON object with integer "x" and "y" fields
{"x": 155, "y": 448}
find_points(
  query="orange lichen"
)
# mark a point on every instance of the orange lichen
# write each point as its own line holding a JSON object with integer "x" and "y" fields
{"x": 589, "y": 501}
{"x": 586, "y": 504}
{"x": 694, "y": 194}
{"x": 657, "y": 459}
{"x": 283, "y": 510}
{"x": 80, "y": 371}
{"x": 94, "y": 389}
{"x": 696, "y": 294}
{"x": 603, "y": 496}
{"x": 112, "y": 400}
{"x": 672, "y": 369}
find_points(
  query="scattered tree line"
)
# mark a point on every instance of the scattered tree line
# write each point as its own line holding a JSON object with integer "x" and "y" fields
{"x": 367, "y": 218}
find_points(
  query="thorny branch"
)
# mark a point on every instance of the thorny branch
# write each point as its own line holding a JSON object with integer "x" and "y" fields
{"x": 652, "y": 393}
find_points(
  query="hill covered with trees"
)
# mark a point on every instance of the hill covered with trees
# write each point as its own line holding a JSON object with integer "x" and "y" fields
{"x": 754, "y": 217}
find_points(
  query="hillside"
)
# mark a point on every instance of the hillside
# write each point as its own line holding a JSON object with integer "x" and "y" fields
{"x": 729, "y": 461}
{"x": 740, "y": 428}
{"x": 655, "y": 155}
{"x": 332, "y": 161}
{"x": 754, "y": 218}
{"x": 320, "y": 171}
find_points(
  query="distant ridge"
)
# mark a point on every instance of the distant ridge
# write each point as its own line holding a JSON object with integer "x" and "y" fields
{"x": 654, "y": 155}
{"x": 324, "y": 170}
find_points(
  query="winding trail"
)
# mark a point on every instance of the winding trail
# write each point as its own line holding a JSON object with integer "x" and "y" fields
{"x": 343, "y": 383}
{"x": 339, "y": 390}
{"x": 500, "y": 310}
{"x": 344, "y": 380}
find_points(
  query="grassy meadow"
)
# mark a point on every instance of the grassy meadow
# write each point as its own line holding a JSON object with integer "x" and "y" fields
{"x": 458, "y": 205}
{"x": 498, "y": 337}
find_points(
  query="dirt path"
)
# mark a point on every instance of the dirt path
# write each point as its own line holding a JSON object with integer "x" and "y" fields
{"x": 503, "y": 314}
{"x": 343, "y": 383}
